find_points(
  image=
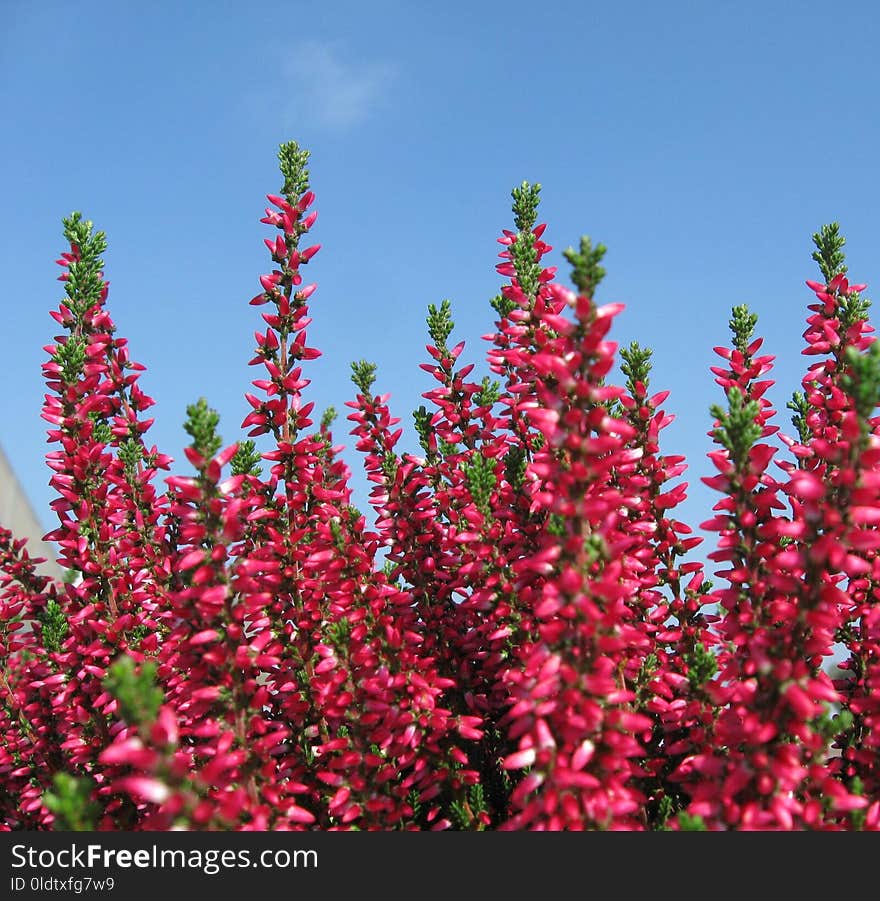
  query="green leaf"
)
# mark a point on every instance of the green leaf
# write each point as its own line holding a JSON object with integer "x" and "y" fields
{"x": 829, "y": 251}
{"x": 479, "y": 474}
{"x": 201, "y": 425}
{"x": 523, "y": 254}
{"x": 688, "y": 823}
{"x": 54, "y": 626}
{"x": 85, "y": 278}
{"x": 71, "y": 357}
{"x": 488, "y": 394}
{"x": 422, "y": 419}
{"x": 131, "y": 452}
{"x": 440, "y": 324}
{"x": 246, "y": 459}
{"x": 293, "y": 162}
{"x": 585, "y": 262}
{"x": 525, "y": 206}
{"x": 702, "y": 666}
{"x": 636, "y": 365}
{"x": 861, "y": 380}
{"x": 737, "y": 428}
{"x": 742, "y": 325}
{"x": 515, "y": 463}
{"x": 502, "y": 305}
{"x": 135, "y": 689}
{"x": 71, "y": 803}
{"x": 363, "y": 374}
{"x": 800, "y": 408}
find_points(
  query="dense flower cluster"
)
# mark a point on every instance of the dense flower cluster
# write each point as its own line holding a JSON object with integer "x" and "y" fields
{"x": 517, "y": 639}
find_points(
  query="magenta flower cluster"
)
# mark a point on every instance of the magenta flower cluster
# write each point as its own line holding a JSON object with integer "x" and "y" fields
{"x": 516, "y": 638}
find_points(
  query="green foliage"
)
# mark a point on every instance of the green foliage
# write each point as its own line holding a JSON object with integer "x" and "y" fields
{"x": 488, "y": 394}
{"x": 742, "y": 325}
{"x": 465, "y": 813}
{"x": 525, "y": 206}
{"x": 338, "y": 633}
{"x": 101, "y": 430}
{"x": 857, "y": 817}
{"x": 800, "y": 407}
{"x": 525, "y": 261}
{"x": 201, "y": 425}
{"x": 71, "y": 357}
{"x": 852, "y": 308}
{"x": 85, "y": 282}
{"x": 440, "y": 324}
{"x": 557, "y": 525}
{"x": 415, "y": 803}
{"x": 646, "y": 674}
{"x": 702, "y": 666}
{"x": 595, "y": 548}
{"x": 522, "y": 252}
{"x": 422, "y": 419}
{"x": 447, "y": 448}
{"x": 502, "y": 305}
{"x": 587, "y": 272}
{"x": 390, "y": 571}
{"x": 737, "y": 429}
{"x": 363, "y": 374}
{"x": 54, "y": 626}
{"x": 138, "y": 634}
{"x": 648, "y": 668}
{"x": 294, "y": 167}
{"x": 688, "y": 823}
{"x": 829, "y": 251}
{"x": 831, "y": 726}
{"x": 246, "y": 460}
{"x": 636, "y": 365}
{"x": 389, "y": 466}
{"x": 515, "y": 463}
{"x": 131, "y": 452}
{"x": 861, "y": 380}
{"x": 135, "y": 689}
{"x": 479, "y": 473}
{"x": 71, "y": 802}
{"x": 328, "y": 417}
{"x": 339, "y": 537}
{"x": 665, "y": 809}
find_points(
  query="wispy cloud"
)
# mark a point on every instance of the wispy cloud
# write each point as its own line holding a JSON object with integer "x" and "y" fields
{"x": 333, "y": 89}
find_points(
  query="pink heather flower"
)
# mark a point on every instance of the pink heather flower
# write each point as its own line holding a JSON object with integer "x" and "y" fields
{"x": 518, "y": 640}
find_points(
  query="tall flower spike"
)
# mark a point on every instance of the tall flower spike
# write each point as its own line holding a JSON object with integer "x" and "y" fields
{"x": 669, "y": 601}
{"x": 110, "y": 533}
{"x": 571, "y": 716}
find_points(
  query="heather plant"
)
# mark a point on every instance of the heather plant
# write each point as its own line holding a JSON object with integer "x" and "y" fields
{"x": 517, "y": 637}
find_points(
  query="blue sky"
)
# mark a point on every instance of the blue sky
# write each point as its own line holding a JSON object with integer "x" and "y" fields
{"x": 703, "y": 143}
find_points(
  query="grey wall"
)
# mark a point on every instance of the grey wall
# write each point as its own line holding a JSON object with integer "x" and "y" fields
{"x": 17, "y": 515}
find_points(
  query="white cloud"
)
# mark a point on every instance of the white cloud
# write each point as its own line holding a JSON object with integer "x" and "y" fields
{"x": 332, "y": 89}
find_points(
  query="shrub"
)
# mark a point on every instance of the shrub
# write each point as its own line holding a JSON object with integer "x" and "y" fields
{"x": 516, "y": 639}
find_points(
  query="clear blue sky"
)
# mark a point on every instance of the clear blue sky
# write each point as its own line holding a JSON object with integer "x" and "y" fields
{"x": 703, "y": 142}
